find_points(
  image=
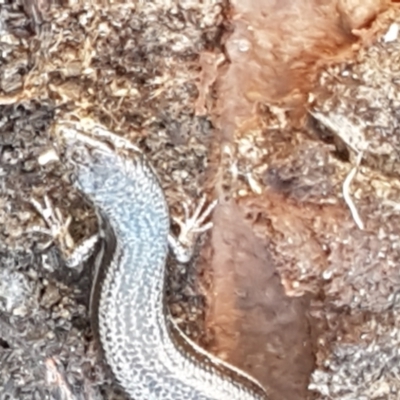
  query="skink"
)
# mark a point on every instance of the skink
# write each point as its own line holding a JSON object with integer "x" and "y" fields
{"x": 147, "y": 353}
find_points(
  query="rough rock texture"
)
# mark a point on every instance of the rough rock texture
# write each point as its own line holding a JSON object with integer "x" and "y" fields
{"x": 291, "y": 157}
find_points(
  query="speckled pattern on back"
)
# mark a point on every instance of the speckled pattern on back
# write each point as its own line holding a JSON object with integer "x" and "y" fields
{"x": 139, "y": 345}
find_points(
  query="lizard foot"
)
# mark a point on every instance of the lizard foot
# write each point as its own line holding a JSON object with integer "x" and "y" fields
{"x": 58, "y": 231}
{"x": 190, "y": 228}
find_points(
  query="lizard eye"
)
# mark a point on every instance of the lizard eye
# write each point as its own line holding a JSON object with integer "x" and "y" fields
{"x": 71, "y": 177}
{"x": 84, "y": 156}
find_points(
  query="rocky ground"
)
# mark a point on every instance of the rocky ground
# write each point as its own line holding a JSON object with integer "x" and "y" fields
{"x": 284, "y": 111}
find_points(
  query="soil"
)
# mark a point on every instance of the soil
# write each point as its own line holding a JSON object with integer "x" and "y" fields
{"x": 286, "y": 112}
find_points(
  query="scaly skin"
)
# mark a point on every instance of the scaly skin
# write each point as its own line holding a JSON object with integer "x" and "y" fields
{"x": 149, "y": 356}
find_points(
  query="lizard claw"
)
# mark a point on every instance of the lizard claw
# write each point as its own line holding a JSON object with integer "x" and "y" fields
{"x": 57, "y": 228}
{"x": 190, "y": 228}
{"x": 58, "y": 231}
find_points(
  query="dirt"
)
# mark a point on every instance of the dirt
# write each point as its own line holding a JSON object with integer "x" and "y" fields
{"x": 269, "y": 107}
